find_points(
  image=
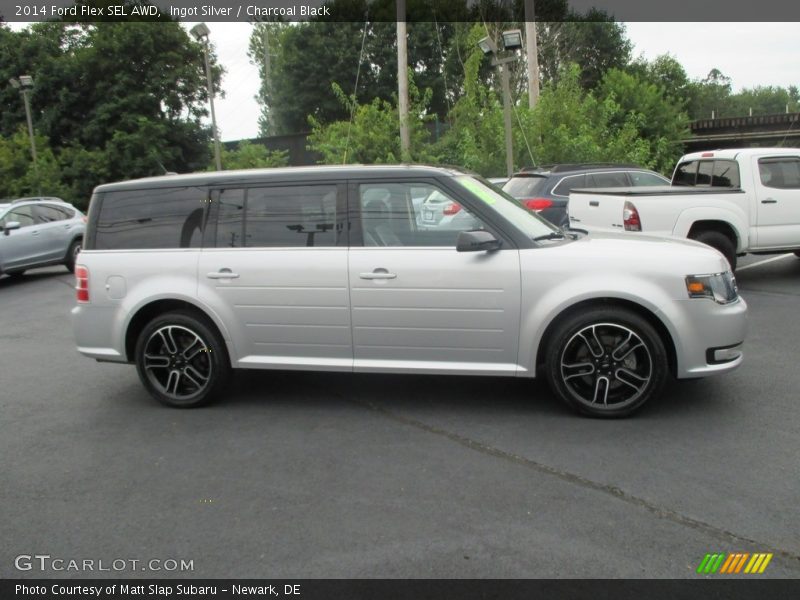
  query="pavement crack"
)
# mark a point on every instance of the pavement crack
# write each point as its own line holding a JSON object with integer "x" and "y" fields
{"x": 659, "y": 511}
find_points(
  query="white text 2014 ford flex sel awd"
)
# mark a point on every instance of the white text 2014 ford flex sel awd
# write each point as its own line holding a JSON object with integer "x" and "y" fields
{"x": 335, "y": 269}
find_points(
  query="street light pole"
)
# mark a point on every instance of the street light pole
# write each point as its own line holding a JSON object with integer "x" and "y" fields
{"x": 25, "y": 83}
{"x": 504, "y": 78}
{"x": 512, "y": 40}
{"x": 201, "y": 32}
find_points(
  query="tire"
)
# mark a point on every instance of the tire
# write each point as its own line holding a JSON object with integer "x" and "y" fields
{"x": 718, "y": 241}
{"x": 16, "y": 274}
{"x": 584, "y": 372}
{"x": 72, "y": 254}
{"x": 182, "y": 360}
{"x": 797, "y": 253}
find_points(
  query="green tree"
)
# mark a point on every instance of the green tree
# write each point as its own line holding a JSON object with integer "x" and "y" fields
{"x": 19, "y": 177}
{"x": 373, "y": 135}
{"x": 251, "y": 156}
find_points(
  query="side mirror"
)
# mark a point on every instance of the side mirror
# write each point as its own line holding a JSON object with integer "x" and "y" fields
{"x": 477, "y": 241}
{"x": 9, "y": 226}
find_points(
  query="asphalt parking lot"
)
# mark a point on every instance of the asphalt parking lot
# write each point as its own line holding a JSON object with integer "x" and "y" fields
{"x": 336, "y": 475}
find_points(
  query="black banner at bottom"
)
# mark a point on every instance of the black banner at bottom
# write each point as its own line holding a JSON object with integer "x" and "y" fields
{"x": 395, "y": 589}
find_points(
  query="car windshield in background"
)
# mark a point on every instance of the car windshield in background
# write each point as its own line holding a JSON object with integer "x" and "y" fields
{"x": 532, "y": 224}
{"x": 523, "y": 186}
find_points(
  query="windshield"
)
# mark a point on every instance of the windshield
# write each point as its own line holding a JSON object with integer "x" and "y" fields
{"x": 529, "y": 223}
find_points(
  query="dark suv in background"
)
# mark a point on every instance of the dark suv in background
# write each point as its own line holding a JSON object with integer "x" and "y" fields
{"x": 545, "y": 189}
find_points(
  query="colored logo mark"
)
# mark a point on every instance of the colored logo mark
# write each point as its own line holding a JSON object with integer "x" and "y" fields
{"x": 735, "y": 562}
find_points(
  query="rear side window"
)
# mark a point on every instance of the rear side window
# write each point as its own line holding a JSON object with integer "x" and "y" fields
{"x": 643, "y": 178}
{"x": 603, "y": 180}
{"x": 566, "y": 185}
{"x": 685, "y": 173}
{"x": 525, "y": 187}
{"x": 726, "y": 174}
{"x": 48, "y": 213}
{"x": 781, "y": 173}
{"x": 154, "y": 218}
{"x": 704, "y": 171}
{"x": 277, "y": 217}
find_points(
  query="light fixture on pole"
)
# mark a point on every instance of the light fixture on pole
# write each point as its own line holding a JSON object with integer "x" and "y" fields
{"x": 512, "y": 41}
{"x": 25, "y": 85}
{"x": 201, "y": 33}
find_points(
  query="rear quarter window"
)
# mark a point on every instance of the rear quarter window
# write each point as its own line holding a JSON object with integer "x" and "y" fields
{"x": 160, "y": 218}
{"x": 526, "y": 186}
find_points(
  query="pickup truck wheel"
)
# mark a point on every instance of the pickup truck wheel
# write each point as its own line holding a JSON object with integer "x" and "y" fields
{"x": 606, "y": 362}
{"x": 718, "y": 241}
{"x": 181, "y": 360}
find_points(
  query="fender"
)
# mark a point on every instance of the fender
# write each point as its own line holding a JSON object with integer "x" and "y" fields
{"x": 170, "y": 288}
{"x": 733, "y": 216}
{"x": 567, "y": 294}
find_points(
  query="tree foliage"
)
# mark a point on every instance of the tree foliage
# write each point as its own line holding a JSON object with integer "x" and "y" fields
{"x": 248, "y": 155}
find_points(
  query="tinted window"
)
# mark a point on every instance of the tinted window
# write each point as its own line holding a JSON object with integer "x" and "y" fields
{"x": 525, "y": 186}
{"x": 685, "y": 173}
{"x": 704, "y": 171}
{"x": 155, "y": 218}
{"x": 643, "y": 178}
{"x": 280, "y": 216}
{"x": 566, "y": 185}
{"x": 726, "y": 174}
{"x": 48, "y": 213}
{"x": 618, "y": 179}
{"x": 782, "y": 173}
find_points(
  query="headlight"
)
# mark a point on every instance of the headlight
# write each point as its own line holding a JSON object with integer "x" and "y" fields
{"x": 720, "y": 287}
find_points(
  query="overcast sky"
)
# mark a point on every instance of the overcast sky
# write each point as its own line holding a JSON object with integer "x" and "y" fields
{"x": 750, "y": 54}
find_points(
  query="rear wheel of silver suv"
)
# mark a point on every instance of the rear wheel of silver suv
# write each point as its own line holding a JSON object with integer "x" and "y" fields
{"x": 606, "y": 362}
{"x": 181, "y": 360}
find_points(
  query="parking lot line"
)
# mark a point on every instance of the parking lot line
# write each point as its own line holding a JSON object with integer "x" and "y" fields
{"x": 765, "y": 261}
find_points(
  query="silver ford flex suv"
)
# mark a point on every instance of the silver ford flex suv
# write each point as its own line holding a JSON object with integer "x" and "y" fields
{"x": 331, "y": 269}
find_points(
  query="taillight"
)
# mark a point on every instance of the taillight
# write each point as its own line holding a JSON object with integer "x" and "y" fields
{"x": 82, "y": 284}
{"x": 537, "y": 204}
{"x": 630, "y": 217}
{"x": 451, "y": 209}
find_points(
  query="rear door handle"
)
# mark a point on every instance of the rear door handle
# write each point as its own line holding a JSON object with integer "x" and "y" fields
{"x": 378, "y": 274}
{"x": 769, "y": 201}
{"x": 594, "y": 203}
{"x": 35, "y": 232}
{"x": 222, "y": 274}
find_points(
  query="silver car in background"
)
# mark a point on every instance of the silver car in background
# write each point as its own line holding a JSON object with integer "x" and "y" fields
{"x": 37, "y": 232}
{"x": 335, "y": 269}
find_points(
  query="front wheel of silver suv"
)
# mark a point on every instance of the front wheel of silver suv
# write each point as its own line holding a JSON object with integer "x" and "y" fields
{"x": 606, "y": 362}
{"x": 181, "y": 360}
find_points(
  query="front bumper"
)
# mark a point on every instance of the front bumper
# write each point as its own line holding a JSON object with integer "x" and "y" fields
{"x": 709, "y": 337}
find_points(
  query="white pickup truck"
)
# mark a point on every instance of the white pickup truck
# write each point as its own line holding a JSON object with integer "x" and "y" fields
{"x": 737, "y": 201}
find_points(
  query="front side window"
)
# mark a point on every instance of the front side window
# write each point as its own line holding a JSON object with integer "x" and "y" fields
{"x": 782, "y": 173}
{"x": 23, "y": 215}
{"x": 161, "y": 218}
{"x": 392, "y": 214}
{"x": 277, "y": 217}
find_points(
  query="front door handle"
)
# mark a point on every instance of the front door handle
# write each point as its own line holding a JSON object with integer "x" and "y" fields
{"x": 35, "y": 232}
{"x": 769, "y": 201}
{"x": 222, "y": 274}
{"x": 378, "y": 274}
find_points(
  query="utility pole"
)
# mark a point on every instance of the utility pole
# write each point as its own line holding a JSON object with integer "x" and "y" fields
{"x": 532, "y": 54}
{"x": 25, "y": 84}
{"x": 267, "y": 68}
{"x": 402, "y": 81}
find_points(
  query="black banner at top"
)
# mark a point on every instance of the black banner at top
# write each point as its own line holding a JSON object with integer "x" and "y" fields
{"x": 386, "y": 10}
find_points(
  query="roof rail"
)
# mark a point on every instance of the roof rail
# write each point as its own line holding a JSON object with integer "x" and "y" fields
{"x": 562, "y": 167}
{"x": 38, "y": 199}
